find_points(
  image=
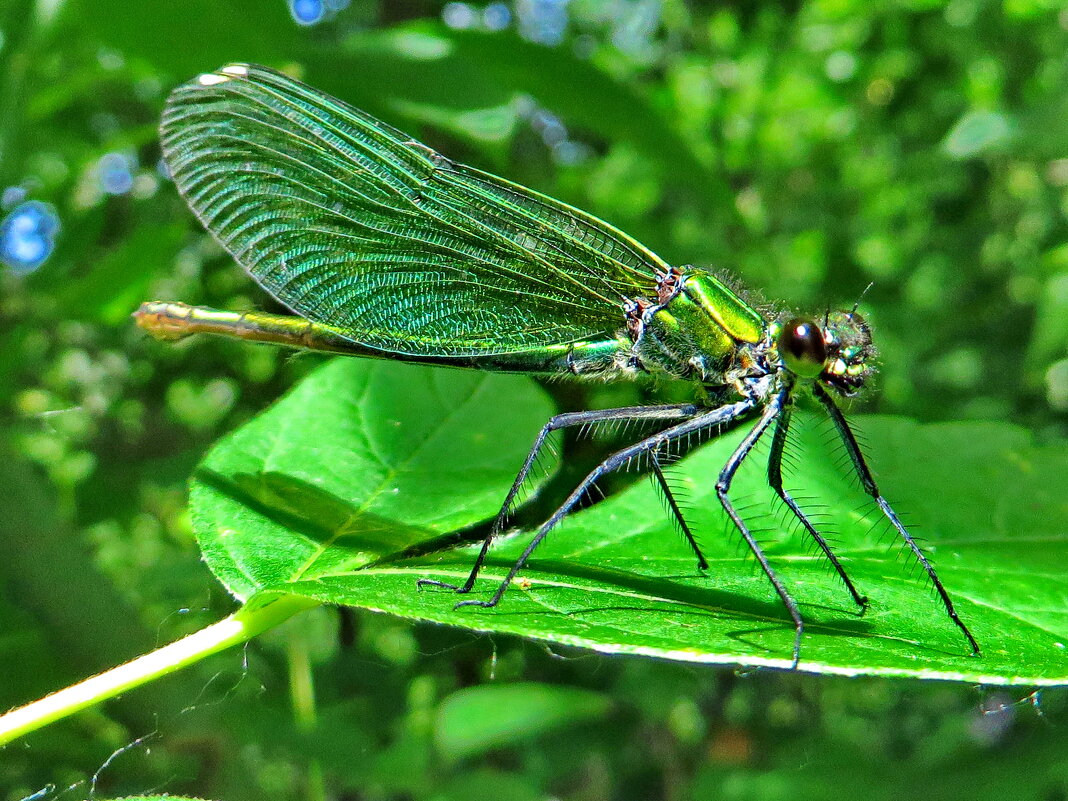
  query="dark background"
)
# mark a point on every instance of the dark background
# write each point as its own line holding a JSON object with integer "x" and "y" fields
{"x": 808, "y": 148}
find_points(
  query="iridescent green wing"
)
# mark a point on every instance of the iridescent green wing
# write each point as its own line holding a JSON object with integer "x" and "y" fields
{"x": 352, "y": 224}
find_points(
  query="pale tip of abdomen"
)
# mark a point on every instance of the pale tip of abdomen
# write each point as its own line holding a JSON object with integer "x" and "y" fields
{"x": 163, "y": 319}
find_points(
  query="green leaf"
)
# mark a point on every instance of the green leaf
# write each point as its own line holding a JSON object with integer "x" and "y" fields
{"x": 489, "y": 783}
{"x": 301, "y": 501}
{"x": 190, "y": 37}
{"x": 361, "y": 461}
{"x": 113, "y": 285}
{"x": 477, "y": 719}
{"x": 426, "y": 66}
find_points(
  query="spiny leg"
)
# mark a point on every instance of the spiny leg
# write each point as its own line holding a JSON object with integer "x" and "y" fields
{"x": 658, "y": 471}
{"x": 723, "y": 485}
{"x": 778, "y": 442}
{"x": 724, "y": 415}
{"x": 680, "y": 411}
{"x": 870, "y": 487}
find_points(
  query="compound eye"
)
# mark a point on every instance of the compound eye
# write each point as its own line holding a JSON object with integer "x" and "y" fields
{"x": 802, "y": 348}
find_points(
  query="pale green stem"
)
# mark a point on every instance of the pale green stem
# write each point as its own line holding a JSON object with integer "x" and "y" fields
{"x": 243, "y": 625}
{"x": 302, "y": 696}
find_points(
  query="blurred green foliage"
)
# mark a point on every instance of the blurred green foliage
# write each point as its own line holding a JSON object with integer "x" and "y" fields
{"x": 809, "y": 148}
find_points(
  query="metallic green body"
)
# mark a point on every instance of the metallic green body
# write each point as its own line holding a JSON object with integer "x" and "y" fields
{"x": 734, "y": 316}
{"x": 697, "y": 335}
{"x": 700, "y": 332}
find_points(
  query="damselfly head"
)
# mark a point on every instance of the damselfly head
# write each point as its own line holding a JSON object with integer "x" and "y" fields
{"x": 850, "y": 352}
{"x": 837, "y": 352}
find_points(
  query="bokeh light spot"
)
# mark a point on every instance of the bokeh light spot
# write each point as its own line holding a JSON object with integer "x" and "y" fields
{"x": 27, "y": 236}
{"x": 307, "y": 12}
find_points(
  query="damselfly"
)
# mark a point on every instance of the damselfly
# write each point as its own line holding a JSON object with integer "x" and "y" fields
{"x": 384, "y": 248}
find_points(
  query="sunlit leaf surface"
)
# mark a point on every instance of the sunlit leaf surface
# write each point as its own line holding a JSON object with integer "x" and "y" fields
{"x": 322, "y": 493}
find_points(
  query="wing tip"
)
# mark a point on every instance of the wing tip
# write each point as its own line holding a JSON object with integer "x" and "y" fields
{"x": 223, "y": 74}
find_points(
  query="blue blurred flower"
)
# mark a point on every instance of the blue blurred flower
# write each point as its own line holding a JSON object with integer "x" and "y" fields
{"x": 570, "y": 152}
{"x": 496, "y": 17}
{"x": 12, "y": 196}
{"x": 307, "y": 12}
{"x": 542, "y": 21}
{"x": 115, "y": 173}
{"x": 552, "y": 130}
{"x": 634, "y": 24}
{"x": 27, "y": 236}
{"x": 459, "y": 16}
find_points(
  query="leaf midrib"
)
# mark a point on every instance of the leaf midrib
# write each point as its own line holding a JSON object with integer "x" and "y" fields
{"x": 390, "y": 475}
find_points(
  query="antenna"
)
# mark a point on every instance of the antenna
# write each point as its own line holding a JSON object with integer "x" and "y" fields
{"x": 859, "y": 299}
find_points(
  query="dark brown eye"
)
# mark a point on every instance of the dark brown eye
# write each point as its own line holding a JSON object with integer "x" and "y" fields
{"x": 802, "y": 348}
